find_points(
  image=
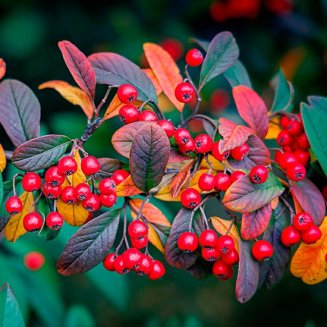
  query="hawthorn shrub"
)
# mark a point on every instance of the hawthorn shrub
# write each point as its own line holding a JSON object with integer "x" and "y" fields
{"x": 259, "y": 172}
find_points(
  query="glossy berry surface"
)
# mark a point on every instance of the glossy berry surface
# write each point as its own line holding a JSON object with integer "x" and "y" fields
{"x": 67, "y": 166}
{"x": 194, "y": 57}
{"x": 107, "y": 185}
{"x": 68, "y": 195}
{"x": 188, "y": 241}
{"x": 109, "y": 262}
{"x": 225, "y": 244}
{"x": 158, "y": 270}
{"x": 54, "y": 220}
{"x": 145, "y": 265}
{"x": 284, "y": 138}
{"x": 311, "y": 235}
{"x": 190, "y": 198}
{"x": 140, "y": 243}
{"x": 302, "y": 221}
{"x": 185, "y": 92}
{"x": 31, "y": 182}
{"x": 108, "y": 200}
{"x": 119, "y": 265}
{"x": 14, "y": 205}
{"x": 231, "y": 258}
{"x": 218, "y": 155}
{"x": 258, "y": 174}
{"x": 129, "y": 114}
{"x": 210, "y": 254}
{"x": 187, "y": 148}
{"x": 51, "y": 192}
{"x": 32, "y": 222}
{"x": 131, "y": 258}
{"x": 167, "y": 126}
{"x": 222, "y": 270}
{"x": 222, "y": 181}
{"x": 34, "y": 260}
{"x": 148, "y": 115}
{"x": 53, "y": 177}
{"x": 262, "y": 250}
{"x": 240, "y": 152}
{"x": 303, "y": 141}
{"x": 236, "y": 175}
{"x": 182, "y": 136}
{"x": 203, "y": 143}
{"x": 207, "y": 182}
{"x": 92, "y": 202}
{"x": 82, "y": 191}
{"x": 119, "y": 176}
{"x": 208, "y": 238}
{"x": 286, "y": 159}
{"x": 290, "y": 236}
{"x": 127, "y": 93}
{"x": 137, "y": 229}
{"x": 90, "y": 165}
{"x": 294, "y": 128}
{"x": 296, "y": 172}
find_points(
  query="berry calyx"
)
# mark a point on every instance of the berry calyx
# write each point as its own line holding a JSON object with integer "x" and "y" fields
{"x": 188, "y": 242}
{"x": 109, "y": 261}
{"x": 14, "y": 205}
{"x": 223, "y": 181}
{"x": 290, "y": 236}
{"x": 108, "y": 200}
{"x": 67, "y": 166}
{"x": 302, "y": 221}
{"x": 68, "y": 195}
{"x": 240, "y": 152}
{"x": 137, "y": 229}
{"x": 296, "y": 172}
{"x": 51, "y": 192}
{"x": 119, "y": 176}
{"x": 206, "y": 182}
{"x": 203, "y": 143}
{"x": 127, "y": 93}
{"x": 194, "y": 57}
{"x": 208, "y": 238}
{"x": 210, "y": 254}
{"x": 225, "y": 244}
{"x": 222, "y": 270}
{"x": 311, "y": 235}
{"x": 90, "y": 165}
{"x": 145, "y": 265}
{"x": 31, "y": 182}
{"x": 284, "y": 138}
{"x": 53, "y": 177}
{"x": 187, "y": 148}
{"x": 294, "y": 127}
{"x": 167, "y": 126}
{"x": 129, "y": 114}
{"x": 119, "y": 265}
{"x": 107, "y": 186}
{"x": 190, "y": 198}
{"x": 82, "y": 191}
{"x": 185, "y": 92}
{"x": 131, "y": 258}
{"x": 34, "y": 260}
{"x": 92, "y": 203}
{"x": 158, "y": 270}
{"x": 258, "y": 174}
{"x": 262, "y": 250}
{"x": 148, "y": 115}
{"x": 217, "y": 155}
{"x": 32, "y": 222}
{"x": 182, "y": 136}
{"x": 54, "y": 220}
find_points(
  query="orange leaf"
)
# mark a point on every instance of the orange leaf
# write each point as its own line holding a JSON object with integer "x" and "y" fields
{"x": 3, "y": 160}
{"x": 2, "y": 68}
{"x": 309, "y": 260}
{"x": 273, "y": 129}
{"x": 72, "y": 94}
{"x": 180, "y": 179}
{"x": 149, "y": 72}
{"x": 216, "y": 165}
{"x": 274, "y": 203}
{"x": 166, "y": 71}
{"x": 127, "y": 188}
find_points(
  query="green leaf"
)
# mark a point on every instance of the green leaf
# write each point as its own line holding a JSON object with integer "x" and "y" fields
{"x": 222, "y": 54}
{"x": 10, "y": 314}
{"x": 284, "y": 93}
{"x": 244, "y": 196}
{"x": 237, "y": 75}
{"x": 314, "y": 118}
{"x": 78, "y": 316}
{"x": 90, "y": 244}
{"x": 149, "y": 156}
{"x": 41, "y": 152}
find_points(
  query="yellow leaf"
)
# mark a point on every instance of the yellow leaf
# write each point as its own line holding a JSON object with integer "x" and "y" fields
{"x": 72, "y": 94}
{"x": 3, "y": 160}
{"x": 273, "y": 129}
{"x": 127, "y": 188}
{"x": 152, "y": 77}
{"x": 15, "y": 228}
{"x": 216, "y": 165}
{"x": 222, "y": 225}
{"x": 309, "y": 260}
{"x": 274, "y": 203}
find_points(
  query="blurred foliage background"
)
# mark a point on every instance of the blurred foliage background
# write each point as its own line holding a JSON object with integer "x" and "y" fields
{"x": 270, "y": 33}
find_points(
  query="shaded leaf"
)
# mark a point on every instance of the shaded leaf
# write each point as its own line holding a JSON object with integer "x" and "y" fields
{"x": 237, "y": 75}
{"x": 108, "y": 165}
{"x": 3, "y": 160}
{"x": 176, "y": 156}
{"x": 180, "y": 179}
{"x": 127, "y": 188}
{"x": 2, "y": 68}
{"x": 200, "y": 269}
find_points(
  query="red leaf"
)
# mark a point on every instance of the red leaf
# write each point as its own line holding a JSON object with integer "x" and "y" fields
{"x": 310, "y": 199}
{"x": 252, "y": 109}
{"x": 176, "y": 156}
{"x": 2, "y": 68}
{"x": 180, "y": 179}
{"x": 256, "y": 222}
{"x": 79, "y": 66}
{"x": 233, "y": 134}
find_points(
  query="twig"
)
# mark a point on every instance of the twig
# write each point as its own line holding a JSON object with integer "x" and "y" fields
{"x": 205, "y": 220}
{"x": 288, "y": 206}
{"x": 232, "y": 222}
{"x": 103, "y": 101}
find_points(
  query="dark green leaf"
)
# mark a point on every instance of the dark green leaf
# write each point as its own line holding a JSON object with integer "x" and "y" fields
{"x": 149, "y": 156}
{"x": 78, "y": 316}
{"x": 237, "y": 75}
{"x": 41, "y": 152}
{"x": 90, "y": 244}
{"x": 200, "y": 269}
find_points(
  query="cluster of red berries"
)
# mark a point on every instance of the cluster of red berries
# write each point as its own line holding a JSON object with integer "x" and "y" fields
{"x": 294, "y": 156}
{"x": 303, "y": 228}
{"x": 132, "y": 259}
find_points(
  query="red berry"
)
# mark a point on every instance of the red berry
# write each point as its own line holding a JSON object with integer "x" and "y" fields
{"x": 302, "y": 221}
{"x": 107, "y": 186}
{"x": 278, "y": 156}
{"x": 258, "y": 174}
{"x": 53, "y": 177}
{"x": 127, "y": 93}
{"x": 129, "y": 114}
{"x": 311, "y": 235}
{"x": 32, "y": 222}
{"x": 119, "y": 176}
{"x": 217, "y": 155}
{"x": 302, "y": 156}
{"x": 303, "y": 141}
{"x": 262, "y": 250}
{"x": 290, "y": 236}
{"x": 67, "y": 166}
{"x": 54, "y": 220}
{"x": 286, "y": 159}
{"x": 182, "y": 136}
{"x": 167, "y": 126}
{"x": 140, "y": 243}
{"x": 185, "y": 92}
{"x": 284, "y": 138}
{"x": 131, "y": 258}
{"x": 206, "y": 182}
{"x": 187, "y": 148}
{"x": 137, "y": 229}
{"x": 236, "y": 175}
{"x": 174, "y": 47}
{"x": 14, "y": 205}
{"x": 51, "y": 192}
{"x": 190, "y": 198}
{"x": 294, "y": 128}
{"x": 31, "y": 182}
{"x": 158, "y": 270}
{"x": 208, "y": 238}
{"x": 92, "y": 202}
{"x": 109, "y": 262}
{"x": 231, "y": 258}
{"x": 108, "y": 200}
{"x": 223, "y": 181}
{"x": 222, "y": 270}
{"x": 148, "y": 115}
{"x": 194, "y": 57}
{"x": 287, "y": 148}
{"x": 225, "y": 244}
{"x": 203, "y": 143}
{"x": 210, "y": 254}
{"x": 34, "y": 260}
{"x": 240, "y": 152}
{"x": 90, "y": 165}
{"x": 68, "y": 195}
{"x": 145, "y": 265}
{"x": 119, "y": 265}
{"x": 82, "y": 191}
{"x": 187, "y": 241}
{"x": 284, "y": 121}
{"x": 296, "y": 172}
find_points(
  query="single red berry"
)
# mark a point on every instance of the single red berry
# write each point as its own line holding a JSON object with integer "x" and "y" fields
{"x": 284, "y": 138}
{"x": 187, "y": 241}
{"x": 67, "y": 166}
{"x": 290, "y": 236}
{"x": 90, "y": 165}
{"x": 284, "y": 121}
{"x": 109, "y": 261}
{"x": 185, "y": 92}
{"x": 217, "y": 155}
{"x": 31, "y": 182}
{"x": 140, "y": 243}
{"x": 225, "y": 244}
{"x": 296, "y": 172}
{"x": 206, "y": 182}
{"x": 302, "y": 156}
{"x": 107, "y": 186}
{"x": 210, "y": 254}
{"x": 82, "y": 191}
{"x": 131, "y": 258}
{"x": 119, "y": 176}
{"x": 14, "y": 205}
{"x": 54, "y": 220}
{"x": 127, "y": 93}
{"x": 203, "y": 143}
{"x": 92, "y": 202}
{"x": 68, "y": 195}
{"x": 258, "y": 174}
{"x": 240, "y": 152}
{"x": 294, "y": 128}
{"x": 119, "y": 265}
{"x": 231, "y": 258}
{"x": 148, "y": 115}
{"x": 53, "y": 177}
{"x": 208, "y": 238}
{"x": 51, "y": 192}
{"x": 303, "y": 141}
{"x": 32, "y": 222}
{"x": 182, "y": 136}
{"x": 194, "y": 57}
{"x": 174, "y": 48}
{"x": 34, "y": 260}
{"x": 167, "y": 126}
{"x": 145, "y": 265}
{"x": 311, "y": 235}
{"x": 108, "y": 200}
{"x": 158, "y": 270}
{"x": 223, "y": 182}
{"x": 222, "y": 270}
{"x": 302, "y": 221}
{"x": 236, "y": 175}
{"x": 287, "y": 159}
{"x": 187, "y": 148}
{"x": 262, "y": 250}
{"x": 190, "y": 198}
{"x": 137, "y": 229}
{"x": 129, "y": 114}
